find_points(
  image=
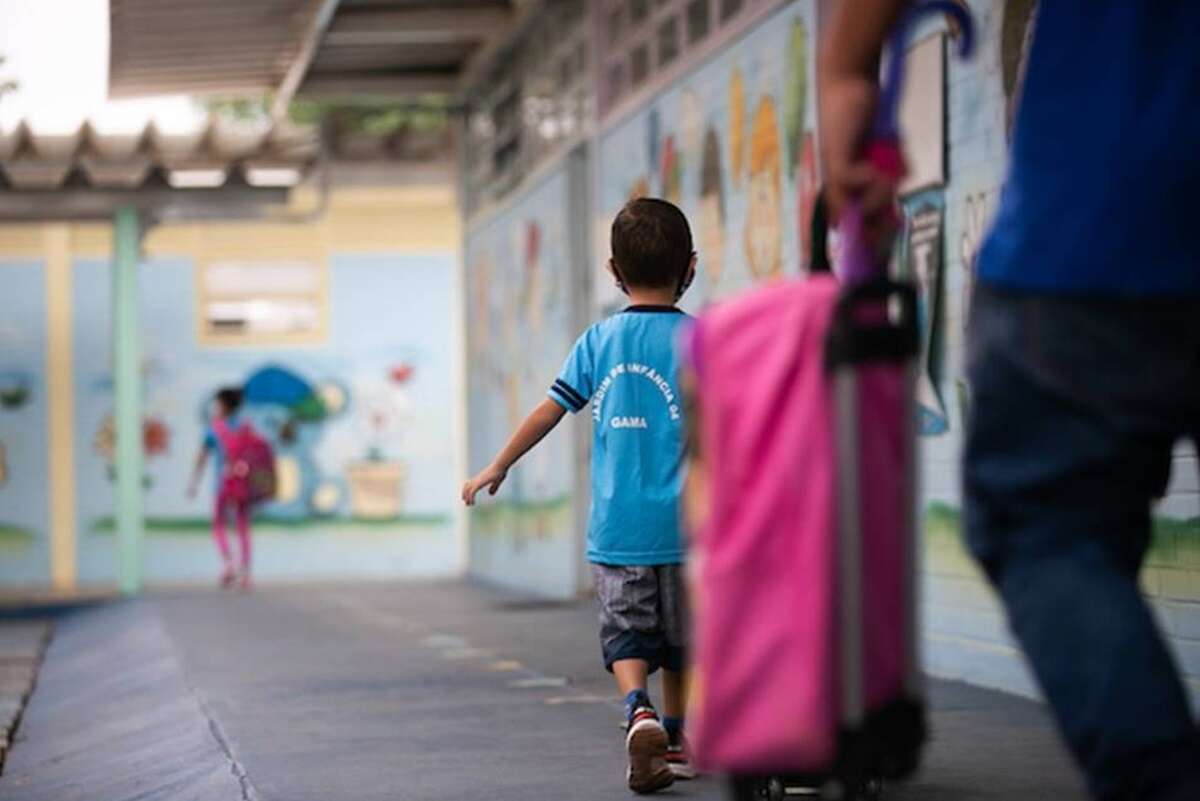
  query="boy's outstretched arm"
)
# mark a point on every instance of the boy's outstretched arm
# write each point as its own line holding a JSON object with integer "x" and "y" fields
{"x": 538, "y": 424}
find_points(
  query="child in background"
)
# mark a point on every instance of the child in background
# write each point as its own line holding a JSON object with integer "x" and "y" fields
{"x": 226, "y": 404}
{"x": 625, "y": 368}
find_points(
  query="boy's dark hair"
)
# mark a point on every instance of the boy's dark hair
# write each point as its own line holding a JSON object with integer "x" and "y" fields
{"x": 230, "y": 399}
{"x": 651, "y": 244}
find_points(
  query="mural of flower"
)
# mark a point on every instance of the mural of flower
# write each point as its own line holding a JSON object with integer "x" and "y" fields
{"x": 156, "y": 442}
{"x": 401, "y": 373}
{"x": 156, "y": 438}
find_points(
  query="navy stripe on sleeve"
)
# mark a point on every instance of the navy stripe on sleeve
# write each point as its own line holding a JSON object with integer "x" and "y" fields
{"x": 574, "y": 400}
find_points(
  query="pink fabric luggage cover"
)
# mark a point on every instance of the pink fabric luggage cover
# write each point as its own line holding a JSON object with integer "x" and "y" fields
{"x": 799, "y": 631}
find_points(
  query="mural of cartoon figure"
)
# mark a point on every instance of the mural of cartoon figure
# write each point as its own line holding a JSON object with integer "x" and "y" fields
{"x": 291, "y": 412}
{"x": 764, "y": 208}
{"x": 796, "y": 97}
{"x": 737, "y": 126}
{"x": 712, "y": 214}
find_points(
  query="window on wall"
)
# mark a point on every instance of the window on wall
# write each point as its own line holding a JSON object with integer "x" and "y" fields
{"x": 668, "y": 41}
{"x": 253, "y": 302}
{"x": 699, "y": 17}
{"x": 536, "y": 99}
{"x": 650, "y": 38}
{"x": 639, "y": 65}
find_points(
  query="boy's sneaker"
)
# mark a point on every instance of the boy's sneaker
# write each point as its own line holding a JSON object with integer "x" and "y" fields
{"x": 679, "y": 763}
{"x": 647, "y": 747}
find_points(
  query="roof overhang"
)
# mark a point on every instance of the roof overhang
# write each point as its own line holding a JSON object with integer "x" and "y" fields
{"x": 370, "y": 49}
{"x": 221, "y": 170}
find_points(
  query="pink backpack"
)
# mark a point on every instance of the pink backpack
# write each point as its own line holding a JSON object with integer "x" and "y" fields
{"x": 802, "y": 568}
{"x": 249, "y": 474}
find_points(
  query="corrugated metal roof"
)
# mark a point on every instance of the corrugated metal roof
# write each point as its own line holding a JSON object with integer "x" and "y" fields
{"x": 385, "y": 48}
{"x": 32, "y": 160}
{"x": 201, "y": 46}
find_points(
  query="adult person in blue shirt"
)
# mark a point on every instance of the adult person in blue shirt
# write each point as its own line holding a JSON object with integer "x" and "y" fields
{"x": 1083, "y": 355}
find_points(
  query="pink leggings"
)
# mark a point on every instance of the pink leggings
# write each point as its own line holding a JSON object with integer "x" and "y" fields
{"x": 241, "y": 512}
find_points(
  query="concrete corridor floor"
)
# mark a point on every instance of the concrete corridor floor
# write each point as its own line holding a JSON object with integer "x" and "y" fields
{"x": 397, "y": 692}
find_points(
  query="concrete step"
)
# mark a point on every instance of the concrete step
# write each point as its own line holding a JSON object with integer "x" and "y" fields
{"x": 113, "y": 717}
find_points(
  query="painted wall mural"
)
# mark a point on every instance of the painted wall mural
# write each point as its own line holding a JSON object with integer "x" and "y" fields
{"x": 362, "y": 425}
{"x": 742, "y": 165}
{"x": 24, "y": 463}
{"x": 519, "y": 332}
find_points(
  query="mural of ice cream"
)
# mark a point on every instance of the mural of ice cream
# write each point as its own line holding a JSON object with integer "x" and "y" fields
{"x": 796, "y": 93}
{"x": 764, "y": 208}
{"x": 737, "y": 125}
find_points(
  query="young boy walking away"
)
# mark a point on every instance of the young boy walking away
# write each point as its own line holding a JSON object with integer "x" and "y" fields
{"x": 226, "y": 405}
{"x": 624, "y": 367}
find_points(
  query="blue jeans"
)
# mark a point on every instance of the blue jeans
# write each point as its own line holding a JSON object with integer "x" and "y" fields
{"x": 1076, "y": 404}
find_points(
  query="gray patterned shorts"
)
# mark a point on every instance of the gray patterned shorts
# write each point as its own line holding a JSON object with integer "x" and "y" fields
{"x": 643, "y": 614}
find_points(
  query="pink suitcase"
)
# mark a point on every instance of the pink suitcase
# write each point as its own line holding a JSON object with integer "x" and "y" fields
{"x": 804, "y": 555}
{"x": 805, "y": 647}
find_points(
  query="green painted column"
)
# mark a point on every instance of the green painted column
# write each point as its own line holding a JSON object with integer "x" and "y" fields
{"x": 127, "y": 411}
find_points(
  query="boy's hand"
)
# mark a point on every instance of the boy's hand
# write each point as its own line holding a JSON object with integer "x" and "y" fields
{"x": 491, "y": 477}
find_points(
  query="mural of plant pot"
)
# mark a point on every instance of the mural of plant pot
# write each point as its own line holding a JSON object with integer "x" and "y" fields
{"x": 376, "y": 489}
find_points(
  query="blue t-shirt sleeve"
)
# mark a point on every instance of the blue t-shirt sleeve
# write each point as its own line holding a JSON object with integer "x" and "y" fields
{"x": 574, "y": 385}
{"x": 210, "y": 440}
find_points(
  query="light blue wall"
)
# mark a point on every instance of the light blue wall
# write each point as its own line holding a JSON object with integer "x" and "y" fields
{"x": 24, "y": 474}
{"x": 385, "y": 311}
{"x": 519, "y": 331}
{"x": 776, "y": 65}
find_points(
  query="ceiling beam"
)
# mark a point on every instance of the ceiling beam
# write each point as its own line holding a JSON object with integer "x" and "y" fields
{"x": 416, "y": 26}
{"x": 320, "y": 15}
{"x": 225, "y": 203}
{"x": 481, "y": 59}
{"x": 396, "y": 86}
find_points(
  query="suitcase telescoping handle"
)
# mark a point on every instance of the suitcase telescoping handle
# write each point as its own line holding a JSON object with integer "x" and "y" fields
{"x": 875, "y": 322}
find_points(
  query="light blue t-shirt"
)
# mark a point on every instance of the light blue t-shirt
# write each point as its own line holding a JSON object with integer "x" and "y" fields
{"x": 625, "y": 368}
